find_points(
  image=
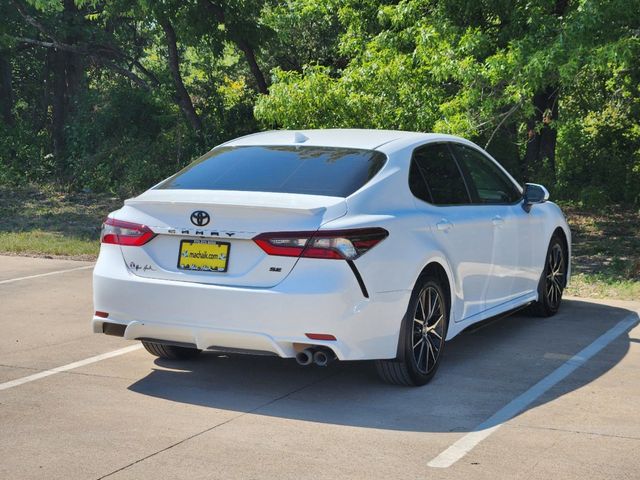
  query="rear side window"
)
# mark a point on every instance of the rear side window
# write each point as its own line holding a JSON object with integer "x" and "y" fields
{"x": 336, "y": 172}
{"x": 435, "y": 177}
{"x": 490, "y": 184}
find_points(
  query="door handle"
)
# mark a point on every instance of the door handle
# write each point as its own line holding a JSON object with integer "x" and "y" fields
{"x": 444, "y": 225}
{"x": 497, "y": 221}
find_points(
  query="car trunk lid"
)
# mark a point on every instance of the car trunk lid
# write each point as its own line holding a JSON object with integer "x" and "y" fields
{"x": 234, "y": 218}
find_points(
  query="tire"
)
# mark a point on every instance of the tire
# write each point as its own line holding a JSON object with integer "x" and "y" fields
{"x": 170, "y": 352}
{"x": 422, "y": 335}
{"x": 553, "y": 279}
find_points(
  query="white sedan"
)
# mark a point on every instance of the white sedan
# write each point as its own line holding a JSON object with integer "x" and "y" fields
{"x": 322, "y": 244}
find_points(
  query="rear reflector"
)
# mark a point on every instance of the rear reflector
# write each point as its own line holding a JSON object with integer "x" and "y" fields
{"x": 101, "y": 314}
{"x": 119, "y": 232}
{"x": 320, "y": 336}
{"x": 329, "y": 244}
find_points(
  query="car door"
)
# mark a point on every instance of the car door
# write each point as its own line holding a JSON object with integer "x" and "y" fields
{"x": 494, "y": 192}
{"x": 465, "y": 238}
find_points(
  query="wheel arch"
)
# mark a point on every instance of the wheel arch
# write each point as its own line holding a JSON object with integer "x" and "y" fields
{"x": 559, "y": 232}
{"x": 437, "y": 268}
{"x": 556, "y": 224}
{"x": 562, "y": 234}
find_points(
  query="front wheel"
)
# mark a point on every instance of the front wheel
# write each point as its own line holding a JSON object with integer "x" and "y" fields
{"x": 170, "y": 352}
{"x": 553, "y": 279}
{"x": 422, "y": 337}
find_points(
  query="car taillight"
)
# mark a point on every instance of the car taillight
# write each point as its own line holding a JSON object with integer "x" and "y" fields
{"x": 119, "y": 232}
{"x": 330, "y": 244}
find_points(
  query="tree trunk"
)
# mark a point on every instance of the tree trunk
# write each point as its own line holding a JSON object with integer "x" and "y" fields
{"x": 182, "y": 96}
{"x": 253, "y": 65}
{"x": 58, "y": 103}
{"x": 245, "y": 47}
{"x": 74, "y": 61}
{"x": 6, "y": 90}
{"x": 39, "y": 109}
{"x": 560, "y": 7}
{"x": 67, "y": 68}
{"x": 542, "y": 133}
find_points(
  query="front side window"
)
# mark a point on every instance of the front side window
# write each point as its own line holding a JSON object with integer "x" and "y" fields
{"x": 435, "y": 177}
{"x": 335, "y": 172}
{"x": 489, "y": 184}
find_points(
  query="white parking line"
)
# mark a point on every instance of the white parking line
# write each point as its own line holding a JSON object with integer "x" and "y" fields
{"x": 11, "y": 280}
{"x": 464, "y": 445}
{"x": 69, "y": 366}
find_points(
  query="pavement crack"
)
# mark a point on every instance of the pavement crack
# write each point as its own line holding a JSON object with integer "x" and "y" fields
{"x": 97, "y": 375}
{"x": 581, "y": 432}
{"x": 206, "y": 430}
{"x": 20, "y": 368}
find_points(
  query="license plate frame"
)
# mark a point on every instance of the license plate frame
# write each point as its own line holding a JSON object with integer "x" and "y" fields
{"x": 226, "y": 248}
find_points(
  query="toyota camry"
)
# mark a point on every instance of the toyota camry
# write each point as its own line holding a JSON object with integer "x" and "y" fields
{"x": 330, "y": 244}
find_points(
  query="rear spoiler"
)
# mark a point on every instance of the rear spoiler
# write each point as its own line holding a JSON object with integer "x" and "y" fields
{"x": 294, "y": 203}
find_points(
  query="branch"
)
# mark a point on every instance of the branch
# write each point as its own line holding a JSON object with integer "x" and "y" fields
{"x": 30, "y": 20}
{"x": 241, "y": 42}
{"x": 82, "y": 51}
{"x": 124, "y": 72}
{"x": 88, "y": 50}
{"x": 146, "y": 73}
{"x": 504, "y": 119}
{"x": 108, "y": 51}
{"x": 53, "y": 44}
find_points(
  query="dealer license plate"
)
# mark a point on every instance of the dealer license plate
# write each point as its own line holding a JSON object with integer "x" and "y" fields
{"x": 204, "y": 255}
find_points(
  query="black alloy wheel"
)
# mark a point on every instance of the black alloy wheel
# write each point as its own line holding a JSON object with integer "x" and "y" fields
{"x": 422, "y": 337}
{"x": 553, "y": 280}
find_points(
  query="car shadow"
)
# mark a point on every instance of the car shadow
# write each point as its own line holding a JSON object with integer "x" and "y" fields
{"x": 482, "y": 370}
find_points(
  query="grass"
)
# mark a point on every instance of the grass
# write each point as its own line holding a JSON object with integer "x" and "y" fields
{"x": 39, "y": 242}
{"x": 606, "y": 252}
{"x": 602, "y": 286}
{"x": 44, "y": 222}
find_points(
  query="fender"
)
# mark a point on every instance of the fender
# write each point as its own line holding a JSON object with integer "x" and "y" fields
{"x": 454, "y": 291}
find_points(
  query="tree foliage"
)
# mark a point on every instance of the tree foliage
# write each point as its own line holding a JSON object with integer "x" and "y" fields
{"x": 115, "y": 94}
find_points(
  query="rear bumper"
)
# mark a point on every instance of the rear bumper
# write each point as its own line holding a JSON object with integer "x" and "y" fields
{"x": 318, "y": 296}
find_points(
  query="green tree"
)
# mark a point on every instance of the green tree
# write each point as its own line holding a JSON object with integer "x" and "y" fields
{"x": 116, "y": 94}
{"x": 496, "y": 71}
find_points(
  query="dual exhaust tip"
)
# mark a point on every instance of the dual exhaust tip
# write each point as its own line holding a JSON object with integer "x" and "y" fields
{"x": 320, "y": 356}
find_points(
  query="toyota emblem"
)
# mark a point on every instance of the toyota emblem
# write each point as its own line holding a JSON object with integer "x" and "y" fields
{"x": 200, "y": 218}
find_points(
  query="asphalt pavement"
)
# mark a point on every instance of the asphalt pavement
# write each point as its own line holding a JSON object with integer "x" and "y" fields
{"x": 519, "y": 397}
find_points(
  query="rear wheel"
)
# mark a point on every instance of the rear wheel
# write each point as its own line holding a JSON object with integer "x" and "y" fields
{"x": 422, "y": 337}
{"x": 170, "y": 352}
{"x": 553, "y": 280}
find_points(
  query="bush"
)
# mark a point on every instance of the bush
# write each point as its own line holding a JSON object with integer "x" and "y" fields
{"x": 598, "y": 153}
{"x": 125, "y": 140}
{"x": 594, "y": 197}
{"x": 23, "y": 157}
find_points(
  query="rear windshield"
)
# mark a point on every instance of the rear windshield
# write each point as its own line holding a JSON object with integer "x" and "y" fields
{"x": 336, "y": 172}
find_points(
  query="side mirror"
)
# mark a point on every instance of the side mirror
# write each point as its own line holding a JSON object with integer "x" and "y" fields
{"x": 533, "y": 193}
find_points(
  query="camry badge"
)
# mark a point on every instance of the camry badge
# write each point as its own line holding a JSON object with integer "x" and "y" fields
{"x": 200, "y": 218}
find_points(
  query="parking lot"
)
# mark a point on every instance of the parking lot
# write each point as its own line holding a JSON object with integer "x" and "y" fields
{"x": 519, "y": 397}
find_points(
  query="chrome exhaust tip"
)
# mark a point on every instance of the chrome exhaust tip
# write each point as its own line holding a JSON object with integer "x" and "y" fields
{"x": 304, "y": 357}
{"x": 323, "y": 357}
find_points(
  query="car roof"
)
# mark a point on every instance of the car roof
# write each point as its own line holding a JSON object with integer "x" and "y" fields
{"x": 368, "y": 139}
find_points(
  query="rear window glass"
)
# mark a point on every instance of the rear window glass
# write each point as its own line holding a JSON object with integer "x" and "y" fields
{"x": 336, "y": 172}
{"x": 443, "y": 182}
